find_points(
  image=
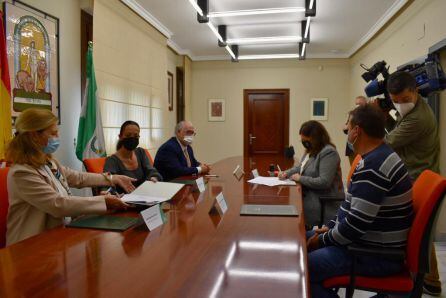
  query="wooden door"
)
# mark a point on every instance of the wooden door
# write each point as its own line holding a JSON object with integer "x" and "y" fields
{"x": 180, "y": 94}
{"x": 266, "y": 121}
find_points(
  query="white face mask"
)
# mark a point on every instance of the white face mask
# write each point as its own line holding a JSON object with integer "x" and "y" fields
{"x": 189, "y": 139}
{"x": 404, "y": 108}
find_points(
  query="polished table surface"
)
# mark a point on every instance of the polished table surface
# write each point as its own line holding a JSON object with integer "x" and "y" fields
{"x": 194, "y": 254}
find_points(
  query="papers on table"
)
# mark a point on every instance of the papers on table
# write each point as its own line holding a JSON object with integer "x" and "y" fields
{"x": 271, "y": 181}
{"x": 153, "y": 192}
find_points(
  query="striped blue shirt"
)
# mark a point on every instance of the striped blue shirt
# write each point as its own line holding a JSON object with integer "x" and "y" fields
{"x": 377, "y": 210}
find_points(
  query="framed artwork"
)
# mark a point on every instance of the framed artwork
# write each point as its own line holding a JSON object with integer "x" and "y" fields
{"x": 216, "y": 110}
{"x": 32, "y": 42}
{"x": 319, "y": 109}
{"x": 170, "y": 90}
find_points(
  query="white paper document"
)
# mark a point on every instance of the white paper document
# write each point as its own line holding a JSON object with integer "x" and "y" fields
{"x": 153, "y": 192}
{"x": 271, "y": 181}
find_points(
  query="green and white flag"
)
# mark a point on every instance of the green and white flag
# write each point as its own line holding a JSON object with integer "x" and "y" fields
{"x": 90, "y": 136}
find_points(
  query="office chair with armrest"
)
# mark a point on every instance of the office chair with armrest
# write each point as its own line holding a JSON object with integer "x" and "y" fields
{"x": 94, "y": 165}
{"x": 428, "y": 193}
{"x": 149, "y": 156}
{"x": 4, "y": 205}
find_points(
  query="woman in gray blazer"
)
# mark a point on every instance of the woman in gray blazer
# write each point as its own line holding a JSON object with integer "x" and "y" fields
{"x": 318, "y": 171}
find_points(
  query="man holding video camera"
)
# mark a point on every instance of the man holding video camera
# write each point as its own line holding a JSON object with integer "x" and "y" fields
{"x": 416, "y": 140}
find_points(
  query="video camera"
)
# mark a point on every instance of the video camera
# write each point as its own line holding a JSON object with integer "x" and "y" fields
{"x": 375, "y": 87}
{"x": 427, "y": 72}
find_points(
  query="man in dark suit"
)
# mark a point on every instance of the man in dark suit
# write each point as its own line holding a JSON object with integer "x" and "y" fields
{"x": 176, "y": 158}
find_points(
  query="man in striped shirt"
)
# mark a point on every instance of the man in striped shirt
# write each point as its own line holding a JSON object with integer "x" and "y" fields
{"x": 377, "y": 210}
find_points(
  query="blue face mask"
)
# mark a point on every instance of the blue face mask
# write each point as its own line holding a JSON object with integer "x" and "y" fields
{"x": 53, "y": 144}
{"x": 350, "y": 144}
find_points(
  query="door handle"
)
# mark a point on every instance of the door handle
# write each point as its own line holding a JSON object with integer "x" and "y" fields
{"x": 251, "y": 138}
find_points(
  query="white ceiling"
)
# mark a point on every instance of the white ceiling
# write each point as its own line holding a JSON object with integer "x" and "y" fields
{"x": 338, "y": 30}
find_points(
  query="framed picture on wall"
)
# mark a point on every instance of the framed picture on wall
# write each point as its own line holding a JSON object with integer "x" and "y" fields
{"x": 170, "y": 90}
{"x": 216, "y": 110}
{"x": 319, "y": 109}
{"x": 32, "y": 42}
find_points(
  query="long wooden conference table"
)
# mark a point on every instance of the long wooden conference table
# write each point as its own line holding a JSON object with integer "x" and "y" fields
{"x": 194, "y": 254}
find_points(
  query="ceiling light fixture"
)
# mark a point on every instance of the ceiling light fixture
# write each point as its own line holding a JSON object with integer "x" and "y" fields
{"x": 272, "y": 56}
{"x": 311, "y": 4}
{"x": 303, "y": 49}
{"x": 213, "y": 29}
{"x": 310, "y": 8}
{"x": 307, "y": 28}
{"x": 197, "y": 8}
{"x": 248, "y": 12}
{"x": 272, "y": 39}
{"x": 233, "y": 51}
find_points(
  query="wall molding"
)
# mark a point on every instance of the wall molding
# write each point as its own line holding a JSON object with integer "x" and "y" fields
{"x": 142, "y": 12}
{"x": 378, "y": 25}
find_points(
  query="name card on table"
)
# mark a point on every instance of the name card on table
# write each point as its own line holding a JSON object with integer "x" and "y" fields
{"x": 255, "y": 173}
{"x": 200, "y": 184}
{"x": 219, "y": 205}
{"x": 153, "y": 217}
{"x": 238, "y": 172}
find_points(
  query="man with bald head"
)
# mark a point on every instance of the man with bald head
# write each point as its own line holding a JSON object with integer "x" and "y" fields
{"x": 176, "y": 158}
{"x": 360, "y": 101}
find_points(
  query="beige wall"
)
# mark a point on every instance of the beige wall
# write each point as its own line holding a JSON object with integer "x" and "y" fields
{"x": 420, "y": 26}
{"x": 305, "y": 79}
{"x": 131, "y": 61}
{"x": 69, "y": 14}
{"x": 187, "y": 65}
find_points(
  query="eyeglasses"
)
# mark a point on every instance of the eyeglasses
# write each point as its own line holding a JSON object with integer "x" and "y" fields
{"x": 191, "y": 133}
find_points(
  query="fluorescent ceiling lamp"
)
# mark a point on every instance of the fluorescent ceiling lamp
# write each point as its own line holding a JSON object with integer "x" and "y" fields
{"x": 303, "y": 49}
{"x": 248, "y": 12}
{"x": 273, "y": 39}
{"x": 307, "y": 28}
{"x": 228, "y": 48}
{"x": 197, "y": 8}
{"x": 212, "y": 27}
{"x": 274, "y": 56}
{"x": 311, "y": 4}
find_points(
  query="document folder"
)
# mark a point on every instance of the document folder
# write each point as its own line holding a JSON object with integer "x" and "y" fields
{"x": 269, "y": 210}
{"x": 105, "y": 222}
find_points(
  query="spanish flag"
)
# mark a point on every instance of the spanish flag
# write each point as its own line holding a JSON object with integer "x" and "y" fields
{"x": 5, "y": 94}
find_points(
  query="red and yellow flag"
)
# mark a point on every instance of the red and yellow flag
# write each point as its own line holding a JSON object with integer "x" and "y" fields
{"x": 5, "y": 94}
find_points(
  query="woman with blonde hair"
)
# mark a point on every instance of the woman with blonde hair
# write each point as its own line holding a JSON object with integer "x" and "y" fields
{"x": 39, "y": 187}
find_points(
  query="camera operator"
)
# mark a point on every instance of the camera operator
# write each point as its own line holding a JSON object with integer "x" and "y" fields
{"x": 416, "y": 140}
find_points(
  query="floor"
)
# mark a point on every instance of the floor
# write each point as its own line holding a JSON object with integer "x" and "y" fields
{"x": 441, "y": 258}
